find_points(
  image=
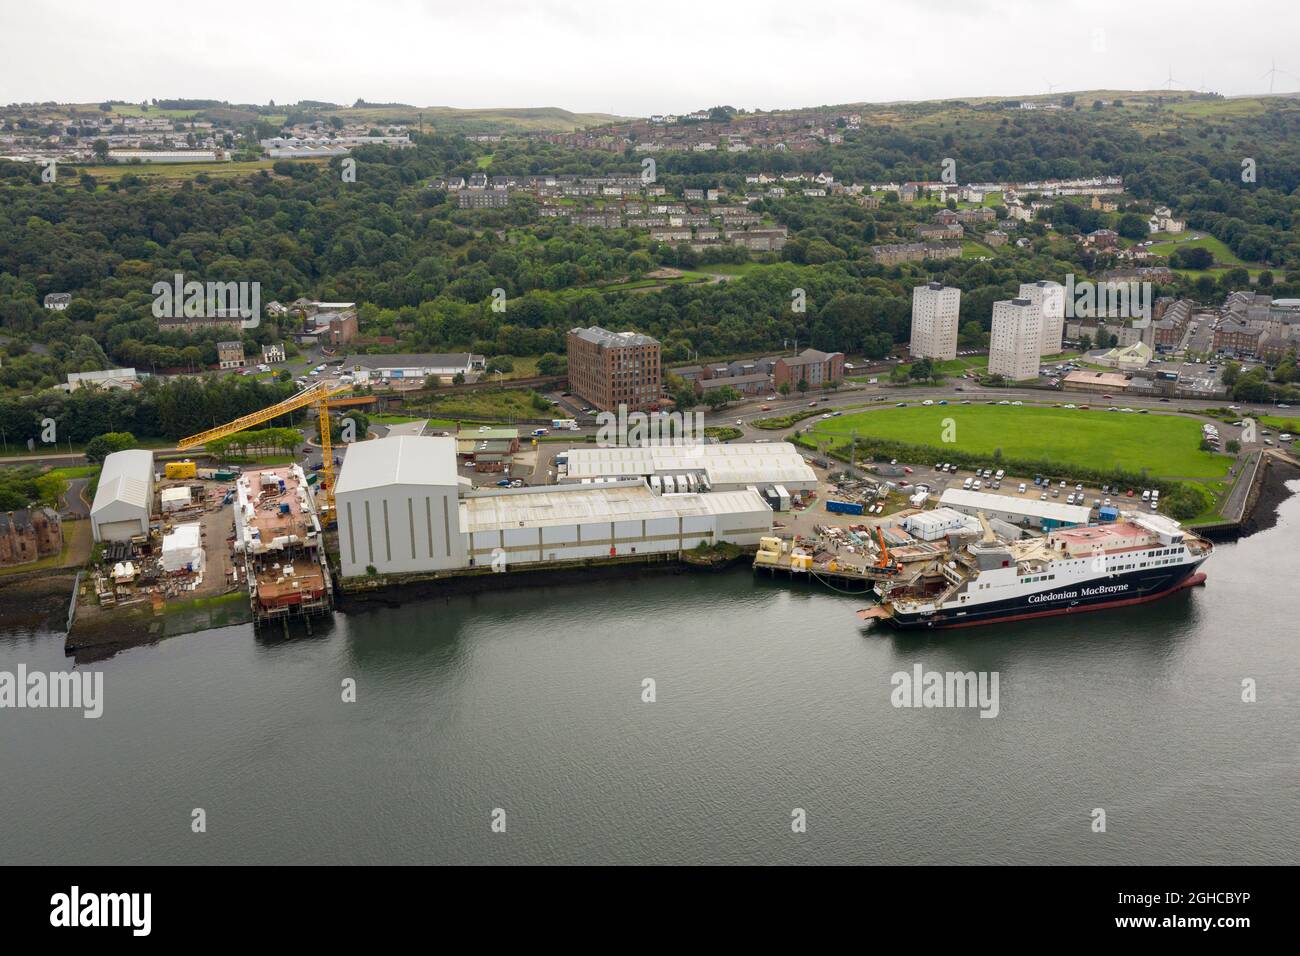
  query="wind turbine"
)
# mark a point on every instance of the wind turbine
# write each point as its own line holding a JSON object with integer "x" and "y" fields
{"x": 1169, "y": 83}
{"x": 1271, "y": 73}
{"x": 1051, "y": 87}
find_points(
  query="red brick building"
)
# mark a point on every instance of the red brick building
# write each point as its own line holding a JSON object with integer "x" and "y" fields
{"x": 811, "y": 366}
{"x": 609, "y": 369}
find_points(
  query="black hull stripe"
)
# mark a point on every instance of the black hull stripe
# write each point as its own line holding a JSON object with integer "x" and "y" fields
{"x": 1139, "y": 587}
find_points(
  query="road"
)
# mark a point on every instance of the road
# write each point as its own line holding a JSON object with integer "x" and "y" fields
{"x": 880, "y": 396}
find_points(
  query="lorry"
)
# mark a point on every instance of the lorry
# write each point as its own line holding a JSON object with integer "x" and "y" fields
{"x": 568, "y": 423}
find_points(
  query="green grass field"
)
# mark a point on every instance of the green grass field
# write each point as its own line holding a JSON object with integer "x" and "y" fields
{"x": 733, "y": 268}
{"x": 1165, "y": 445}
{"x": 1222, "y": 254}
{"x": 168, "y": 171}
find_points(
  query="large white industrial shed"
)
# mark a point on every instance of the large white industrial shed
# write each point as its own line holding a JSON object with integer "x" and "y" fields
{"x": 562, "y": 522}
{"x": 124, "y": 496}
{"x": 1022, "y": 511}
{"x": 397, "y": 505}
{"x": 729, "y": 467}
{"x": 402, "y": 508}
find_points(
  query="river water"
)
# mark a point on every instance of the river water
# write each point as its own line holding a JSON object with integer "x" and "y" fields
{"x": 769, "y": 697}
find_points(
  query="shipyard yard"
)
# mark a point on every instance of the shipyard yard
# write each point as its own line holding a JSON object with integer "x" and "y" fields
{"x": 421, "y": 504}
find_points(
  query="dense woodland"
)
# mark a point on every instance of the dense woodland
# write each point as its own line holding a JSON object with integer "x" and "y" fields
{"x": 423, "y": 270}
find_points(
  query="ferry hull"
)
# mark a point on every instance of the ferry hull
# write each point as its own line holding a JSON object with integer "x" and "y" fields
{"x": 1135, "y": 588}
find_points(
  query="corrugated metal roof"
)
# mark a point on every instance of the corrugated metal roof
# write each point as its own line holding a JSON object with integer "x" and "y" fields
{"x": 126, "y": 477}
{"x": 959, "y": 497}
{"x": 569, "y": 504}
{"x": 734, "y": 464}
{"x": 404, "y": 460}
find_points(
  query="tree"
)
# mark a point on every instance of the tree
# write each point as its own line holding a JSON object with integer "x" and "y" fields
{"x": 101, "y": 446}
{"x": 1132, "y": 226}
{"x": 922, "y": 368}
{"x": 100, "y": 146}
{"x": 1231, "y": 372}
{"x": 716, "y": 398}
{"x": 49, "y": 489}
{"x": 551, "y": 364}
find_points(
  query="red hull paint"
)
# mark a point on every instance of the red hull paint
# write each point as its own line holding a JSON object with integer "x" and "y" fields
{"x": 1192, "y": 581}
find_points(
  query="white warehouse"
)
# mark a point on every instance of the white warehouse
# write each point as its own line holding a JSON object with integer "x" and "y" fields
{"x": 727, "y": 467}
{"x": 563, "y": 522}
{"x": 124, "y": 497}
{"x": 398, "y": 509}
{"x": 402, "y": 508}
{"x": 1029, "y": 512}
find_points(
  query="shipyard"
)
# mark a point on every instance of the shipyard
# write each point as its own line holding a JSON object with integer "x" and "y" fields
{"x": 417, "y": 510}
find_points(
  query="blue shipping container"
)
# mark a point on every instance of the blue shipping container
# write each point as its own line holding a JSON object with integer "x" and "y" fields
{"x": 843, "y": 507}
{"x": 1108, "y": 514}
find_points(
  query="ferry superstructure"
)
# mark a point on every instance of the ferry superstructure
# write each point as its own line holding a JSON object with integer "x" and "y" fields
{"x": 1137, "y": 559}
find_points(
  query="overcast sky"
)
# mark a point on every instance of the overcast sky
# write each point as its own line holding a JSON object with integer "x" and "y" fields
{"x": 635, "y": 58}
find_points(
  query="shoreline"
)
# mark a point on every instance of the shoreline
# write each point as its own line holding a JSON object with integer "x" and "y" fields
{"x": 39, "y": 601}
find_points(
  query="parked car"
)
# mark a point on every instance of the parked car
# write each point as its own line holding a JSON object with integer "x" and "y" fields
{"x": 1021, "y": 489}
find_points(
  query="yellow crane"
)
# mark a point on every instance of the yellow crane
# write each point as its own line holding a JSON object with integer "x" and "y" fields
{"x": 318, "y": 395}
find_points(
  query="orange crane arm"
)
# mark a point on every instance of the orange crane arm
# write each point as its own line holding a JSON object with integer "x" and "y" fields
{"x": 306, "y": 397}
{"x": 884, "y": 560}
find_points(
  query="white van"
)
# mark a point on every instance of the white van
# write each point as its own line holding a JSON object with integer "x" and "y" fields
{"x": 966, "y": 484}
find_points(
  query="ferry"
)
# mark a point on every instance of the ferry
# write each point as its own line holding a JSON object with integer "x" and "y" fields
{"x": 1137, "y": 559}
